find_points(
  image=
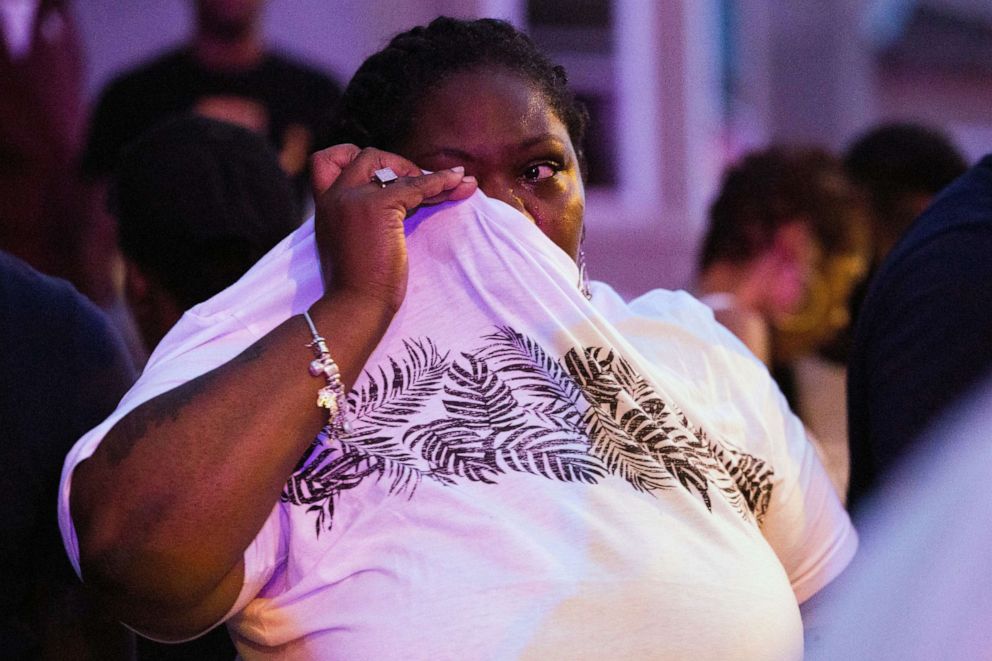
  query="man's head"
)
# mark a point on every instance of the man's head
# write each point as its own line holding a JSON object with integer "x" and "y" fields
{"x": 229, "y": 19}
{"x": 900, "y": 167}
{"x": 784, "y": 204}
{"x": 197, "y": 203}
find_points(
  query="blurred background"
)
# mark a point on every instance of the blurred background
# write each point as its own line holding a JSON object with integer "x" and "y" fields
{"x": 677, "y": 88}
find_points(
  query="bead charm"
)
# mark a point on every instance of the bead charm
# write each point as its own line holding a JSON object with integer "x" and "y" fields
{"x": 332, "y": 396}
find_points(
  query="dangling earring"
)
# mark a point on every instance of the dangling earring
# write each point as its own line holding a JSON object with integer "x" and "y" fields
{"x": 583, "y": 271}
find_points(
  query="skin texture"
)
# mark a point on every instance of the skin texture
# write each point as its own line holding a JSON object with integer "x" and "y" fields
{"x": 511, "y": 141}
{"x": 171, "y": 498}
{"x": 769, "y": 285}
{"x": 229, "y": 19}
{"x": 229, "y": 35}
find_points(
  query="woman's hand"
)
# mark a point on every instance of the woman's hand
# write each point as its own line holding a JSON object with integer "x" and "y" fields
{"x": 359, "y": 223}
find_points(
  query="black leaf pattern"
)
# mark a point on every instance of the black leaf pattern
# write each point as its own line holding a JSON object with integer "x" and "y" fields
{"x": 509, "y": 406}
{"x": 320, "y": 482}
{"x": 388, "y": 400}
{"x": 636, "y": 432}
{"x": 478, "y": 397}
{"x": 531, "y": 369}
{"x": 458, "y": 451}
{"x": 636, "y": 445}
{"x": 555, "y": 454}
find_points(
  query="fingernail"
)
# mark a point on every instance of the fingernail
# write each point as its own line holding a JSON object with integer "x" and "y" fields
{"x": 468, "y": 180}
{"x": 458, "y": 168}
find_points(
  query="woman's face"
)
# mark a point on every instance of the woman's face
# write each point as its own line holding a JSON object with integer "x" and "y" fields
{"x": 502, "y": 130}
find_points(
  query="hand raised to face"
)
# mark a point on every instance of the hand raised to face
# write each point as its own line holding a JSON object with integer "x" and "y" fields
{"x": 359, "y": 222}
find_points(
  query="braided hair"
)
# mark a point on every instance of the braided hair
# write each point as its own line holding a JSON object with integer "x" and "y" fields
{"x": 379, "y": 107}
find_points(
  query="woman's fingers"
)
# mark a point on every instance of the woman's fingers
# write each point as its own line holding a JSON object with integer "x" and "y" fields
{"x": 433, "y": 188}
{"x": 466, "y": 188}
{"x": 362, "y": 166}
{"x": 327, "y": 165}
{"x": 462, "y": 190}
{"x": 351, "y": 167}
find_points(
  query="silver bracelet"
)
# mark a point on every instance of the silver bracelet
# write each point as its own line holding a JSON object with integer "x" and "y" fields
{"x": 332, "y": 396}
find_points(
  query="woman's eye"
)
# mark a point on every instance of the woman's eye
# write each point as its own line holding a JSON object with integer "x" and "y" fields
{"x": 539, "y": 172}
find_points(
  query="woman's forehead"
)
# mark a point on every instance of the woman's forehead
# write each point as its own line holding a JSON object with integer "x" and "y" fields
{"x": 485, "y": 107}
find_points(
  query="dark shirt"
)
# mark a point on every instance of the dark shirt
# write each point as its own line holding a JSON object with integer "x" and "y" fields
{"x": 924, "y": 334}
{"x": 295, "y": 103}
{"x": 64, "y": 369}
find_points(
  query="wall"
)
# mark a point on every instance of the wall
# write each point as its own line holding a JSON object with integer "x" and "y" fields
{"x": 960, "y": 102}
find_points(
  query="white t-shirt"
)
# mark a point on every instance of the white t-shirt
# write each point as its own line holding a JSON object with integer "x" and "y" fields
{"x": 521, "y": 481}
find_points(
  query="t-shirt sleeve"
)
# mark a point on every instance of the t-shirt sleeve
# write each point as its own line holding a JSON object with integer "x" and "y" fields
{"x": 805, "y": 524}
{"x": 195, "y": 346}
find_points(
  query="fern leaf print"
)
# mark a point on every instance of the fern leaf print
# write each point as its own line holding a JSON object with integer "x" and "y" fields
{"x": 509, "y": 406}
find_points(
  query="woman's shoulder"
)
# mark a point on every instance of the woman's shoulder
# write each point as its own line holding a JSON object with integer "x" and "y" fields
{"x": 674, "y": 305}
{"x": 718, "y": 378}
{"x": 682, "y": 311}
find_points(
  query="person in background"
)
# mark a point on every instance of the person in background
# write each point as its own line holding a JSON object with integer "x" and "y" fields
{"x": 197, "y": 202}
{"x": 774, "y": 213}
{"x": 63, "y": 369}
{"x": 780, "y": 219}
{"x": 899, "y": 168}
{"x": 45, "y": 210}
{"x": 227, "y": 72}
{"x": 924, "y": 333}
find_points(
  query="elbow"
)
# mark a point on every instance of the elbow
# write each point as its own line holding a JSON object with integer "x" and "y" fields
{"x": 152, "y": 592}
{"x": 117, "y": 548}
{"x": 147, "y": 596}
{"x": 142, "y": 559}
{"x": 109, "y": 559}
{"x": 102, "y": 547}
{"x": 96, "y": 540}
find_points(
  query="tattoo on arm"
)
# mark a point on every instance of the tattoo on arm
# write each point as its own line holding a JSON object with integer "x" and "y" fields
{"x": 168, "y": 406}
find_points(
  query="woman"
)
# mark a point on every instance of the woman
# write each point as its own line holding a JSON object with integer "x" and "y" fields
{"x": 512, "y": 480}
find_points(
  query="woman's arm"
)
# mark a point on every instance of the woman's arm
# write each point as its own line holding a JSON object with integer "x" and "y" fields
{"x": 177, "y": 490}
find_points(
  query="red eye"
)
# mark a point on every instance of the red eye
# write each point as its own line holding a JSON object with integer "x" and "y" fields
{"x": 539, "y": 172}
